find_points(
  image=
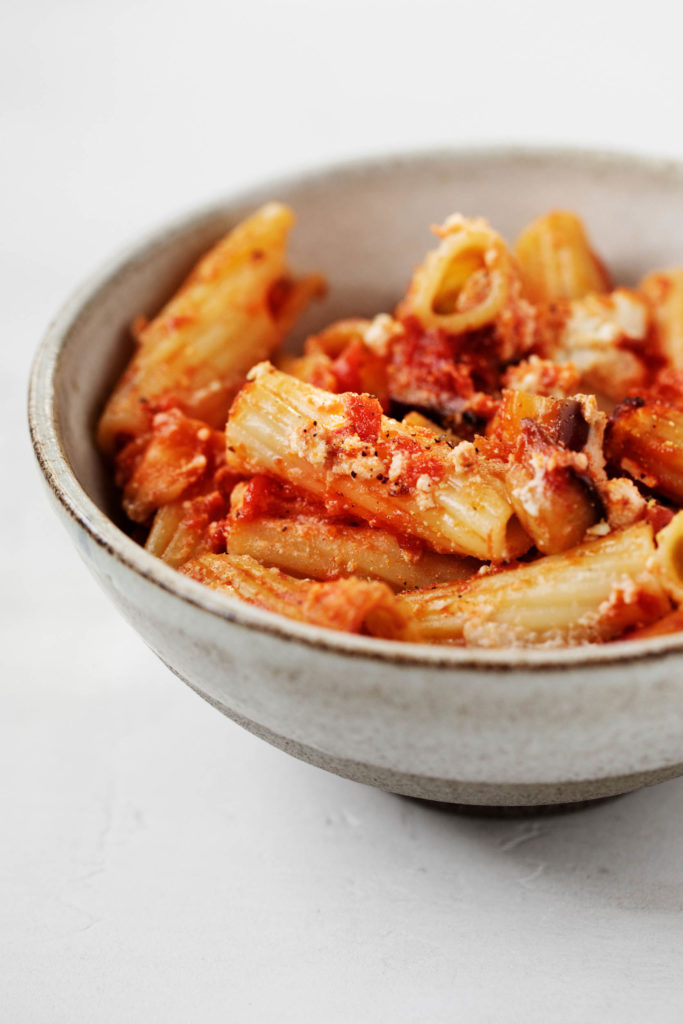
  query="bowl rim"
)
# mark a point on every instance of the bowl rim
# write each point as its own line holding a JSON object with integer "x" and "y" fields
{"x": 103, "y": 532}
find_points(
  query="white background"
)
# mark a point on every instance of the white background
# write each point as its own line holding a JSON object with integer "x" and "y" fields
{"x": 156, "y": 862}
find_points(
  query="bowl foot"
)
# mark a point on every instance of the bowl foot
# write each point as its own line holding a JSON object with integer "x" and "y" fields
{"x": 521, "y": 811}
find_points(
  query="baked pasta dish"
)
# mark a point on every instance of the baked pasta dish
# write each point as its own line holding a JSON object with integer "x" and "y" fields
{"x": 497, "y": 462}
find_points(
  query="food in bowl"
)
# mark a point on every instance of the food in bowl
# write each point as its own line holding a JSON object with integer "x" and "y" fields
{"x": 497, "y": 463}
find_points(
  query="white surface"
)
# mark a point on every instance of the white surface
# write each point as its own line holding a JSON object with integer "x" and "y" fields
{"x": 158, "y": 863}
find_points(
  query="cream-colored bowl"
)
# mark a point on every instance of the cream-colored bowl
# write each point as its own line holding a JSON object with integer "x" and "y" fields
{"x": 480, "y": 727}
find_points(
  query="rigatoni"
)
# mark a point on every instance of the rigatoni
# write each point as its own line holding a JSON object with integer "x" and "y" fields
{"x": 342, "y": 450}
{"x": 187, "y": 528}
{"x": 324, "y": 550}
{"x": 645, "y": 440}
{"x": 551, "y": 491}
{"x": 557, "y": 260}
{"x": 589, "y": 594}
{"x": 664, "y": 291}
{"x": 351, "y": 605}
{"x": 234, "y": 309}
{"x": 468, "y": 282}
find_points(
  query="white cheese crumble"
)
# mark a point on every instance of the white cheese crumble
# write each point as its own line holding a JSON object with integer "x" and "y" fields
{"x": 309, "y": 443}
{"x": 260, "y": 370}
{"x": 396, "y": 467}
{"x": 380, "y": 333}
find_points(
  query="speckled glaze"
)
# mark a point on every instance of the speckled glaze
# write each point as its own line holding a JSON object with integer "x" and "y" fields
{"x": 500, "y": 728}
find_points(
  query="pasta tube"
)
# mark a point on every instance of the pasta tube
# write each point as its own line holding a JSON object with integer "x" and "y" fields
{"x": 664, "y": 291}
{"x": 467, "y": 282}
{"x": 556, "y": 469}
{"x": 342, "y": 450}
{"x": 670, "y": 557}
{"x": 591, "y": 593}
{"x": 352, "y": 605}
{"x": 557, "y": 261}
{"x": 646, "y": 441}
{"x": 185, "y": 529}
{"x": 551, "y": 492}
{"x": 323, "y": 550}
{"x": 234, "y": 309}
{"x": 376, "y": 335}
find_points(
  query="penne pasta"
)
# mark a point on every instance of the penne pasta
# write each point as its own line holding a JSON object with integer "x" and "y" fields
{"x": 376, "y": 335}
{"x": 323, "y": 550}
{"x": 670, "y": 557}
{"x": 234, "y": 309}
{"x": 468, "y": 282}
{"x": 316, "y": 369}
{"x": 352, "y": 605}
{"x": 589, "y": 594}
{"x": 342, "y": 450}
{"x": 645, "y": 440}
{"x": 554, "y": 499}
{"x": 185, "y": 529}
{"x": 557, "y": 261}
{"x": 664, "y": 291}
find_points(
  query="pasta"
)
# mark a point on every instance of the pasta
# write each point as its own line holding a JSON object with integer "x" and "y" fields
{"x": 556, "y": 260}
{"x": 345, "y": 452}
{"x": 615, "y": 584}
{"x": 345, "y": 604}
{"x": 234, "y": 309}
{"x": 307, "y": 543}
{"x": 646, "y": 441}
{"x": 664, "y": 291}
{"x": 496, "y": 462}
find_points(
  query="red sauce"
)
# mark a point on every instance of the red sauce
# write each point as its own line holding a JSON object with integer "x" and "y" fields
{"x": 175, "y": 323}
{"x": 359, "y": 369}
{"x": 416, "y": 461}
{"x": 265, "y": 496}
{"x": 204, "y": 510}
{"x": 278, "y": 293}
{"x": 667, "y": 387}
{"x": 257, "y": 498}
{"x": 435, "y": 370}
{"x": 658, "y": 516}
{"x": 365, "y": 416}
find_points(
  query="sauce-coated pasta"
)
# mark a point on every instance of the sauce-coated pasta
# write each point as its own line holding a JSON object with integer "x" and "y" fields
{"x": 497, "y": 462}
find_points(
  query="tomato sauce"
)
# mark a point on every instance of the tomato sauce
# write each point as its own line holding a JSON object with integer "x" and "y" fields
{"x": 365, "y": 416}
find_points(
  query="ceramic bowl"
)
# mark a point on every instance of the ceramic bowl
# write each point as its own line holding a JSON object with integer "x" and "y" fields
{"x": 499, "y": 728}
